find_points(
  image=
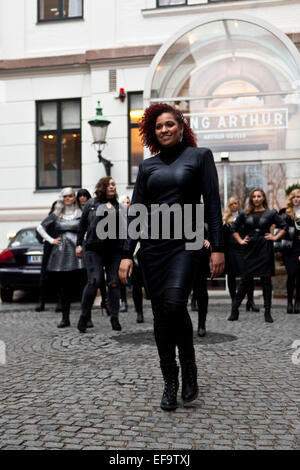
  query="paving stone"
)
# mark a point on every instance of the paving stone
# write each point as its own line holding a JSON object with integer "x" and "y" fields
{"x": 102, "y": 390}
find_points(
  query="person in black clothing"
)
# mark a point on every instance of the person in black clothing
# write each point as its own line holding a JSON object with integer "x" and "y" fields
{"x": 291, "y": 254}
{"x": 234, "y": 254}
{"x": 179, "y": 173}
{"x": 44, "y": 276}
{"x": 258, "y": 255}
{"x": 99, "y": 253}
{"x": 200, "y": 292}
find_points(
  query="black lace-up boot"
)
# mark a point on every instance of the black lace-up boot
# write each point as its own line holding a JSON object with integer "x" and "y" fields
{"x": 189, "y": 380}
{"x": 170, "y": 375}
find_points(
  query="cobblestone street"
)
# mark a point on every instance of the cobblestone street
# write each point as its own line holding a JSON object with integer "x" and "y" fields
{"x": 102, "y": 390}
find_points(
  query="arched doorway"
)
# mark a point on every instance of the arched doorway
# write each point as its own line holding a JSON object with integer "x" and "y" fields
{"x": 237, "y": 80}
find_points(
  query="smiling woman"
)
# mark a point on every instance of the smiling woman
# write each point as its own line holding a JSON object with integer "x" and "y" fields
{"x": 179, "y": 174}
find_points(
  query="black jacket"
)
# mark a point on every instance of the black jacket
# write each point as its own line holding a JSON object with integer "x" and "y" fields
{"x": 87, "y": 233}
{"x": 256, "y": 228}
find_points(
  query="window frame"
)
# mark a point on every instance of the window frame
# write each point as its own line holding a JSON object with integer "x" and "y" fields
{"x": 58, "y": 132}
{"x": 130, "y": 126}
{"x": 171, "y": 6}
{"x": 61, "y": 17}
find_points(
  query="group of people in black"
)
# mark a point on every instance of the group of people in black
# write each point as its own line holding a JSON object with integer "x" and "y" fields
{"x": 75, "y": 258}
{"x": 177, "y": 173}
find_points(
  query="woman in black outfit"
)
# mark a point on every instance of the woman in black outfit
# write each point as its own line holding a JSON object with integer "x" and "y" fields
{"x": 291, "y": 256}
{"x": 63, "y": 265}
{"x": 99, "y": 254}
{"x": 258, "y": 245}
{"x": 200, "y": 292}
{"x": 178, "y": 173}
{"x": 234, "y": 254}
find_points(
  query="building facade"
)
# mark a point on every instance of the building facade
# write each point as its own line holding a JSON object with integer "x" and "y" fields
{"x": 232, "y": 67}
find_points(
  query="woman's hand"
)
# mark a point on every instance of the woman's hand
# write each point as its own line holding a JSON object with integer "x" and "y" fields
{"x": 269, "y": 236}
{"x": 79, "y": 251}
{"x": 217, "y": 264}
{"x": 206, "y": 244}
{"x": 244, "y": 241}
{"x": 125, "y": 270}
{"x": 56, "y": 241}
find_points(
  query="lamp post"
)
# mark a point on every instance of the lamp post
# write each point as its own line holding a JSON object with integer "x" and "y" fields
{"x": 99, "y": 126}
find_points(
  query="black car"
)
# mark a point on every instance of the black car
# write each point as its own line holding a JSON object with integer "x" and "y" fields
{"x": 20, "y": 263}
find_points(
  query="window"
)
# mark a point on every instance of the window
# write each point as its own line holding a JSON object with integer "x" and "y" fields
{"x": 53, "y": 10}
{"x": 58, "y": 144}
{"x": 135, "y": 150}
{"x": 169, "y": 3}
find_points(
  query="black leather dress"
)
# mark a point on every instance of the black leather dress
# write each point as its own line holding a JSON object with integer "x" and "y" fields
{"x": 258, "y": 253}
{"x": 178, "y": 175}
{"x": 291, "y": 255}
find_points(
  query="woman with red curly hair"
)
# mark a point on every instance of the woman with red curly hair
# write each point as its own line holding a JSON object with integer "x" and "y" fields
{"x": 179, "y": 173}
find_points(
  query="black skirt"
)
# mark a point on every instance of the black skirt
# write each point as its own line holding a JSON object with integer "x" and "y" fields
{"x": 259, "y": 258}
{"x": 167, "y": 264}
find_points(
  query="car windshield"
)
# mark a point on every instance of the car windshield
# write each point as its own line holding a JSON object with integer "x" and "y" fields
{"x": 24, "y": 238}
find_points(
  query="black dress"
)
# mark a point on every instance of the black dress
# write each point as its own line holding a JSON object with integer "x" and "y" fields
{"x": 291, "y": 255}
{"x": 234, "y": 253}
{"x": 180, "y": 175}
{"x": 258, "y": 253}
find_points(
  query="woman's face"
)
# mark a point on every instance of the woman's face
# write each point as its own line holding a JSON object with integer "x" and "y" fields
{"x": 234, "y": 206}
{"x": 127, "y": 202}
{"x": 69, "y": 199}
{"x": 111, "y": 189}
{"x": 82, "y": 200}
{"x": 257, "y": 199}
{"x": 296, "y": 199}
{"x": 167, "y": 130}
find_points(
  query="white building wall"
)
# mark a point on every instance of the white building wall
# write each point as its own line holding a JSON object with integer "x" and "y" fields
{"x": 106, "y": 24}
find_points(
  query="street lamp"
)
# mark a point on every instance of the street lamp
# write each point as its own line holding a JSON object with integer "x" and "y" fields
{"x": 99, "y": 126}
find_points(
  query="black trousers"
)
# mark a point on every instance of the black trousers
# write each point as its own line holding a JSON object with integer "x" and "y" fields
{"x": 244, "y": 288}
{"x": 232, "y": 287}
{"x": 292, "y": 282}
{"x": 172, "y": 326}
{"x": 95, "y": 264}
{"x": 66, "y": 282}
{"x": 137, "y": 288}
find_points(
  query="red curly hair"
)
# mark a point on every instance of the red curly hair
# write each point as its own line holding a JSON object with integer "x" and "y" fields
{"x": 148, "y": 122}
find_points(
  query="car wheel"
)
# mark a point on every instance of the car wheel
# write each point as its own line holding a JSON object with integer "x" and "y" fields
{"x": 6, "y": 294}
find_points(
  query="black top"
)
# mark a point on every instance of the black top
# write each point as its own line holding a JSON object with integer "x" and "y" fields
{"x": 258, "y": 223}
{"x": 87, "y": 232}
{"x": 180, "y": 175}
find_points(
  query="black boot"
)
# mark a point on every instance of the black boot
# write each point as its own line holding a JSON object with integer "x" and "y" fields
{"x": 297, "y": 306}
{"x": 82, "y": 324}
{"x": 170, "y": 375}
{"x": 115, "y": 323}
{"x": 201, "y": 323}
{"x": 234, "y": 314}
{"x": 140, "y": 317}
{"x": 65, "y": 321}
{"x": 268, "y": 317}
{"x": 190, "y": 388}
{"x": 89, "y": 323}
{"x": 250, "y": 305}
{"x": 41, "y": 305}
{"x": 289, "y": 308}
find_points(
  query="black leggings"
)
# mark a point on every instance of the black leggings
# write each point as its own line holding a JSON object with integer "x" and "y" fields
{"x": 244, "y": 288}
{"x": 291, "y": 283}
{"x": 173, "y": 326}
{"x": 95, "y": 263}
{"x": 231, "y": 278}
